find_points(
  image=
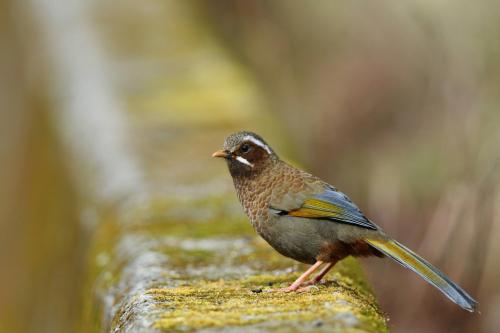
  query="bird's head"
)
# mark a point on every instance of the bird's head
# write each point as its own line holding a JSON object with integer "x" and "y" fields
{"x": 246, "y": 153}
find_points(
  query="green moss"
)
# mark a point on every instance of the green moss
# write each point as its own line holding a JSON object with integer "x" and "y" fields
{"x": 99, "y": 277}
{"x": 193, "y": 217}
{"x": 222, "y": 303}
{"x": 183, "y": 301}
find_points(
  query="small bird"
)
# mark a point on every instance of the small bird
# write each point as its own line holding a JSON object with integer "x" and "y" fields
{"x": 306, "y": 219}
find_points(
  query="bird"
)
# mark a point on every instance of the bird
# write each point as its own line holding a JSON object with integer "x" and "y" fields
{"x": 308, "y": 220}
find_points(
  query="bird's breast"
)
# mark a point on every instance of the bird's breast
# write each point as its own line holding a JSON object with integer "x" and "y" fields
{"x": 255, "y": 201}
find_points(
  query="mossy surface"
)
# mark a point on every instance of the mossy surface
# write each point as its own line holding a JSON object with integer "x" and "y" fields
{"x": 162, "y": 276}
{"x": 336, "y": 304}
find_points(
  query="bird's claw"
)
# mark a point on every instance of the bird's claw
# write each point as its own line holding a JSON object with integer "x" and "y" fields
{"x": 281, "y": 290}
{"x": 312, "y": 282}
{"x": 301, "y": 289}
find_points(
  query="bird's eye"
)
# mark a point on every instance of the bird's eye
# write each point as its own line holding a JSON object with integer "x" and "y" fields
{"x": 245, "y": 148}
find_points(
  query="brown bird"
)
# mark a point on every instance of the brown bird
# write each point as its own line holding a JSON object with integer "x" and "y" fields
{"x": 308, "y": 220}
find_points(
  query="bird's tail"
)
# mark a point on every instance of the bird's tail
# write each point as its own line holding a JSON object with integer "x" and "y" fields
{"x": 409, "y": 259}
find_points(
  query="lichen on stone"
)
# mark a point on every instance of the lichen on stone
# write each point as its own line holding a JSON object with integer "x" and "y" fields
{"x": 170, "y": 277}
{"x": 236, "y": 302}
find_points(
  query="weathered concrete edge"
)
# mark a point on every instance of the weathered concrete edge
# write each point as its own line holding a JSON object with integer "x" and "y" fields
{"x": 140, "y": 290}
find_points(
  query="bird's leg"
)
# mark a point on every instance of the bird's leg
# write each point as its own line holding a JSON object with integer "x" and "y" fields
{"x": 320, "y": 275}
{"x": 300, "y": 280}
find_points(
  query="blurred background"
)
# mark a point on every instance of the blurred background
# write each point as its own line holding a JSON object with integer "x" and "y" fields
{"x": 395, "y": 103}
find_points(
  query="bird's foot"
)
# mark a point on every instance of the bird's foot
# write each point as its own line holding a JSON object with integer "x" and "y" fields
{"x": 298, "y": 289}
{"x": 288, "y": 289}
{"x": 307, "y": 288}
{"x": 298, "y": 285}
{"x": 312, "y": 282}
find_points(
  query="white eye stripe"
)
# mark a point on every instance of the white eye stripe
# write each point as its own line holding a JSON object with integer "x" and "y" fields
{"x": 244, "y": 161}
{"x": 258, "y": 143}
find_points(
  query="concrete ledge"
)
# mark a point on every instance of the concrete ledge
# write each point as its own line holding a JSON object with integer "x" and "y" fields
{"x": 162, "y": 272}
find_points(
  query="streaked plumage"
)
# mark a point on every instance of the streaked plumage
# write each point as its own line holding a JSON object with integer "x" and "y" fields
{"x": 310, "y": 221}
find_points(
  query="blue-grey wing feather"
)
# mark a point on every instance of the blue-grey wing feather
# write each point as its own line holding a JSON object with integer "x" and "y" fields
{"x": 350, "y": 212}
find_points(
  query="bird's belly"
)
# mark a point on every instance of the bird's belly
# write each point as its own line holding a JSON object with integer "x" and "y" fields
{"x": 299, "y": 238}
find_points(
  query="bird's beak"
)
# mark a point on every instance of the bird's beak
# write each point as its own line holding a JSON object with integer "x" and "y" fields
{"x": 221, "y": 153}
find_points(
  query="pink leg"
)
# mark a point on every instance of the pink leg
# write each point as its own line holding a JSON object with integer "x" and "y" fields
{"x": 294, "y": 286}
{"x": 320, "y": 275}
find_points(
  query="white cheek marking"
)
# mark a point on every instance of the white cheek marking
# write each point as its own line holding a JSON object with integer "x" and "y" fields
{"x": 258, "y": 143}
{"x": 244, "y": 161}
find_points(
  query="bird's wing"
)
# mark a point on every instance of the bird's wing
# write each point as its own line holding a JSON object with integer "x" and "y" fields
{"x": 328, "y": 205}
